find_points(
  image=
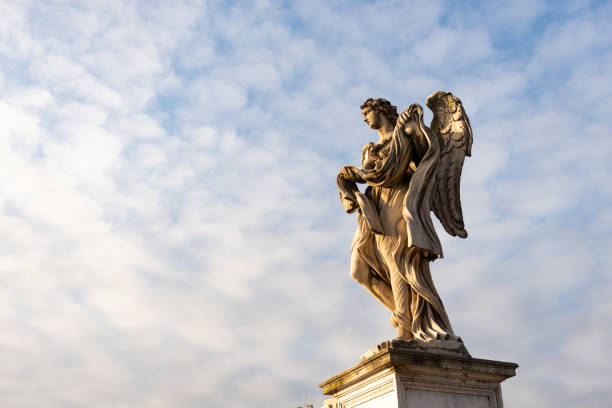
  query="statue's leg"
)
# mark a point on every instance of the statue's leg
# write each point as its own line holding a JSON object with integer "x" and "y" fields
{"x": 430, "y": 320}
{"x": 402, "y": 295}
{"x": 361, "y": 272}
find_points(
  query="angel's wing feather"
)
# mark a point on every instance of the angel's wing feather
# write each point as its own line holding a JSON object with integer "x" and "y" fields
{"x": 452, "y": 126}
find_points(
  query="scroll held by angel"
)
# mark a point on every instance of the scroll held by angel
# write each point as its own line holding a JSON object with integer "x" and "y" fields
{"x": 410, "y": 171}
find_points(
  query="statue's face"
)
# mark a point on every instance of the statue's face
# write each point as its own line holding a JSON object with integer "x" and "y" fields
{"x": 372, "y": 117}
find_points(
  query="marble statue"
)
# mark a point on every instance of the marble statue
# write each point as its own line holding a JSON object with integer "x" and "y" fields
{"x": 410, "y": 171}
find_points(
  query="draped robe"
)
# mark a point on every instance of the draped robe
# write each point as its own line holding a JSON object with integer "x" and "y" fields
{"x": 395, "y": 236}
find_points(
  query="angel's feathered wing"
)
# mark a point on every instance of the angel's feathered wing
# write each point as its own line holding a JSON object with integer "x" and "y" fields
{"x": 452, "y": 126}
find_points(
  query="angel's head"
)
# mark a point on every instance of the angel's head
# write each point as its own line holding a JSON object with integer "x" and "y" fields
{"x": 376, "y": 110}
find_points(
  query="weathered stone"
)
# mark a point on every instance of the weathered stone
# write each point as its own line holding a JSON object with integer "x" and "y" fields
{"x": 410, "y": 171}
{"x": 402, "y": 375}
{"x": 446, "y": 347}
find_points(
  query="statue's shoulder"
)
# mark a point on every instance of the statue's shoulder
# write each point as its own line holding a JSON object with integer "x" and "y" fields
{"x": 366, "y": 155}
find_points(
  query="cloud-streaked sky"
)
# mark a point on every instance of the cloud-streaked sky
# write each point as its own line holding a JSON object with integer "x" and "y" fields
{"x": 170, "y": 231}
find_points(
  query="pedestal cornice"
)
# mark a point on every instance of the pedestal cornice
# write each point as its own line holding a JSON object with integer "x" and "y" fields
{"x": 403, "y": 358}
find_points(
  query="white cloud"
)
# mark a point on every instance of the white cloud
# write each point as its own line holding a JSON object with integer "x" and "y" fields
{"x": 170, "y": 217}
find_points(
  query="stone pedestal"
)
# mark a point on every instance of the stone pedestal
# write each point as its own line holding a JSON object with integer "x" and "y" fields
{"x": 412, "y": 374}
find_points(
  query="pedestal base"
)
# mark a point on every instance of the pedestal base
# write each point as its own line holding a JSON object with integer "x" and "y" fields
{"x": 401, "y": 374}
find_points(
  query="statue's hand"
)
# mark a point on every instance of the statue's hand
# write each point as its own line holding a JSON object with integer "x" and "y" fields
{"x": 350, "y": 173}
{"x": 349, "y": 203}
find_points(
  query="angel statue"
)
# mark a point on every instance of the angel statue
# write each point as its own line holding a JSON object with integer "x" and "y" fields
{"x": 411, "y": 170}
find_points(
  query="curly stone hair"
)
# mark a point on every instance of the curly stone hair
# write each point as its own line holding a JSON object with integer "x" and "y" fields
{"x": 382, "y": 105}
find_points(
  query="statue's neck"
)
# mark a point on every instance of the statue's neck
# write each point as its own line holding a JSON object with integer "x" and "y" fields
{"x": 385, "y": 132}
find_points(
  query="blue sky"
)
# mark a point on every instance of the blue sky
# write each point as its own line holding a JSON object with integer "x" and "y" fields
{"x": 171, "y": 232}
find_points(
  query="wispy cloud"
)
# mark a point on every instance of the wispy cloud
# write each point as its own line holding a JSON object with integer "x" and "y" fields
{"x": 171, "y": 234}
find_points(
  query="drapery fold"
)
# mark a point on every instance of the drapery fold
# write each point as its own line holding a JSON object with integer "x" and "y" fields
{"x": 400, "y": 189}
